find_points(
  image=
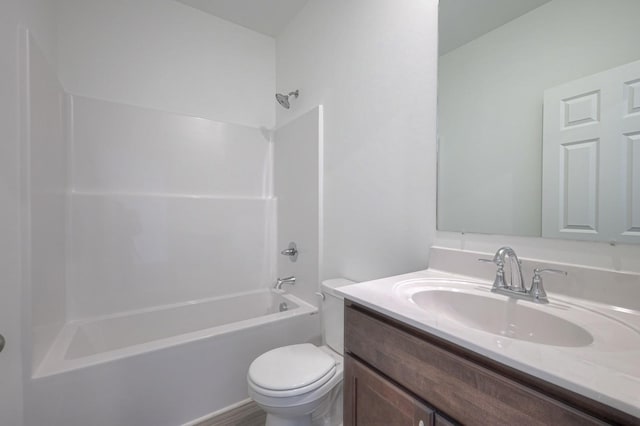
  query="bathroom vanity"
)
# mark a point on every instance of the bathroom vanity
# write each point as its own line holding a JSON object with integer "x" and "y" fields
{"x": 396, "y": 374}
{"x": 412, "y": 361}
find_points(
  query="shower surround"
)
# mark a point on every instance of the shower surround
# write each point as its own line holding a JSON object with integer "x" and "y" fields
{"x": 138, "y": 217}
{"x": 162, "y": 205}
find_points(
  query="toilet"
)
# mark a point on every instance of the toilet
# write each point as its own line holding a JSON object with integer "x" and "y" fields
{"x": 296, "y": 383}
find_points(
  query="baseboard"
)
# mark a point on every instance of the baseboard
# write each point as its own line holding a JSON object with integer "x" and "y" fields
{"x": 244, "y": 413}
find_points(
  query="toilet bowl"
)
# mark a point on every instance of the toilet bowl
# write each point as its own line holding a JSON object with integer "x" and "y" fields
{"x": 297, "y": 383}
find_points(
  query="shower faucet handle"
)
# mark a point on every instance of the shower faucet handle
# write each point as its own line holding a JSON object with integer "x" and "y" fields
{"x": 291, "y": 251}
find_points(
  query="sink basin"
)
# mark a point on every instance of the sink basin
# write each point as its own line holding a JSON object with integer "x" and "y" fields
{"x": 503, "y": 317}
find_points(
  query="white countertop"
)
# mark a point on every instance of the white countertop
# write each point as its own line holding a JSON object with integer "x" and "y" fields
{"x": 606, "y": 370}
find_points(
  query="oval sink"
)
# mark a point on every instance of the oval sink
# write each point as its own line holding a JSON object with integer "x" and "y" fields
{"x": 509, "y": 318}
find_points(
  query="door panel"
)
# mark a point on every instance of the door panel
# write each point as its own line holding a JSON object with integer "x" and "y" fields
{"x": 591, "y": 171}
{"x": 579, "y": 186}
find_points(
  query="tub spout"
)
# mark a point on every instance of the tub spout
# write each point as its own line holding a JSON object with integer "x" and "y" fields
{"x": 281, "y": 281}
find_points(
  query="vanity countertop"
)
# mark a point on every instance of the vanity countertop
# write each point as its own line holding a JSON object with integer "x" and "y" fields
{"x": 606, "y": 370}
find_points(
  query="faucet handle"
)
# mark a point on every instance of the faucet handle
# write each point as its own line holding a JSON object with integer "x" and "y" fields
{"x": 494, "y": 261}
{"x": 537, "y": 291}
{"x": 291, "y": 251}
{"x": 498, "y": 282}
{"x": 538, "y": 271}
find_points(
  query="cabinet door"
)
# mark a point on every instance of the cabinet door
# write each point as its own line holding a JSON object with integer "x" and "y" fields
{"x": 370, "y": 400}
{"x": 441, "y": 421}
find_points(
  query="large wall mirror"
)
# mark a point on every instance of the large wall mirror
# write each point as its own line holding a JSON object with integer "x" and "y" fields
{"x": 539, "y": 118}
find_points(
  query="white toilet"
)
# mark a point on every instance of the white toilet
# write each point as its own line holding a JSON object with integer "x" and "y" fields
{"x": 294, "y": 382}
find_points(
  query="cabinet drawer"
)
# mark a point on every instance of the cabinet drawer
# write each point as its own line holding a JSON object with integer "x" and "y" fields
{"x": 464, "y": 390}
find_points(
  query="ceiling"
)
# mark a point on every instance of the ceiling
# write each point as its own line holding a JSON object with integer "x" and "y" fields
{"x": 464, "y": 20}
{"x": 460, "y": 20}
{"x": 268, "y": 17}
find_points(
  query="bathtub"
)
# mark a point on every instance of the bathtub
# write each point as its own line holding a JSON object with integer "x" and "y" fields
{"x": 163, "y": 366}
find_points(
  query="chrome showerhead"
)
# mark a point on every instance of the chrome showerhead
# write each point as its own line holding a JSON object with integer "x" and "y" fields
{"x": 284, "y": 99}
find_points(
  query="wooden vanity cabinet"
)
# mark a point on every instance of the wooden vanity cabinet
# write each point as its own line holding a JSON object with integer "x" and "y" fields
{"x": 398, "y": 375}
{"x": 377, "y": 401}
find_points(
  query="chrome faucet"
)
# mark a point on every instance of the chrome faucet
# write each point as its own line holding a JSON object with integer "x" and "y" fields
{"x": 516, "y": 282}
{"x": 281, "y": 281}
{"x": 515, "y": 287}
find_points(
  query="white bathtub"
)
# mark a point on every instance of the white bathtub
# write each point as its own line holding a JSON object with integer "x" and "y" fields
{"x": 163, "y": 366}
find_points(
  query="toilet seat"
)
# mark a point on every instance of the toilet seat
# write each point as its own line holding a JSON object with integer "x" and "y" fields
{"x": 292, "y": 392}
{"x": 299, "y": 401}
{"x": 291, "y": 371}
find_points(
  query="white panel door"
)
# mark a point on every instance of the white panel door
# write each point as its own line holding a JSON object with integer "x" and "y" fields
{"x": 591, "y": 157}
{"x": 628, "y": 227}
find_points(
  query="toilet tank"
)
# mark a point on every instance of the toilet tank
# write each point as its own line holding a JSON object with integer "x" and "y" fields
{"x": 333, "y": 314}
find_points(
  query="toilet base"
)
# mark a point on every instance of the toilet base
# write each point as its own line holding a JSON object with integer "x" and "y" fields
{"x": 274, "y": 420}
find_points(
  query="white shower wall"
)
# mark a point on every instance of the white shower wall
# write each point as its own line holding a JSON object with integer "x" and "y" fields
{"x": 297, "y": 180}
{"x": 44, "y": 195}
{"x": 15, "y": 304}
{"x": 164, "y": 208}
{"x": 121, "y": 148}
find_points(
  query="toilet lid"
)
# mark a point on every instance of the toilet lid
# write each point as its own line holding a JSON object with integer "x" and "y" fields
{"x": 291, "y": 367}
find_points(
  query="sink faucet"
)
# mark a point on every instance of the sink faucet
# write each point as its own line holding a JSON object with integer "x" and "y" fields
{"x": 281, "y": 281}
{"x": 515, "y": 287}
{"x": 516, "y": 282}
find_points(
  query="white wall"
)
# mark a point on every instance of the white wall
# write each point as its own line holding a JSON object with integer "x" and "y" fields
{"x": 39, "y": 16}
{"x": 45, "y": 197}
{"x": 490, "y": 107}
{"x": 10, "y": 243}
{"x": 372, "y": 65}
{"x": 620, "y": 257}
{"x": 15, "y": 305}
{"x": 297, "y": 181}
{"x": 165, "y": 208}
{"x": 162, "y": 54}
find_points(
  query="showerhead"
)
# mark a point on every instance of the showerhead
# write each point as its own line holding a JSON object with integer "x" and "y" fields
{"x": 284, "y": 99}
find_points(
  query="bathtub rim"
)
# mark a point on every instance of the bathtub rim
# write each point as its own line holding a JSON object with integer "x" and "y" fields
{"x": 54, "y": 361}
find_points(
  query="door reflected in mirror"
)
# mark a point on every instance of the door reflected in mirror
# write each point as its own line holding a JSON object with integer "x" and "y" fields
{"x": 498, "y": 58}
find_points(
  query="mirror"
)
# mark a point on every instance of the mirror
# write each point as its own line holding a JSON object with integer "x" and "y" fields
{"x": 511, "y": 71}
